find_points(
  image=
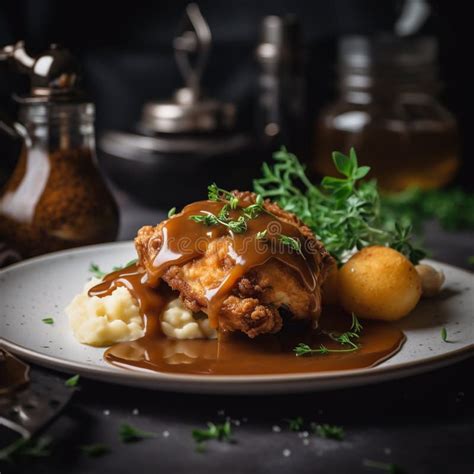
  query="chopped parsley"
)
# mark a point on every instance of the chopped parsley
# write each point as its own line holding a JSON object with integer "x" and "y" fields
{"x": 27, "y": 448}
{"x": 73, "y": 381}
{"x": 219, "y": 432}
{"x": 48, "y": 320}
{"x": 295, "y": 424}
{"x": 328, "y": 431}
{"x": 382, "y": 466}
{"x": 444, "y": 335}
{"x": 130, "y": 434}
{"x": 95, "y": 450}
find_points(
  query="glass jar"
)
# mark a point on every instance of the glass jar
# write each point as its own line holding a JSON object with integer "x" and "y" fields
{"x": 389, "y": 112}
{"x": 56, "y": 197}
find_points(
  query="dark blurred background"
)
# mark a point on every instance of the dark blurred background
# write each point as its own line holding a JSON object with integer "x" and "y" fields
{"x": 126, "y": 52}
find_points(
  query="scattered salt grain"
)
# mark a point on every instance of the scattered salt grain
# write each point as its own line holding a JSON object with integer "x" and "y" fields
{"x": 306, "y": 441}
{"x": 166, "y": 434}
{"x": 286, "y": 453}
{"x": 135, "y": 411}
{"x": 387, "y": 451}
{"x": 276, "y": 429}
{"x": 221, "y": 412}
{"x": 106, "y": 412}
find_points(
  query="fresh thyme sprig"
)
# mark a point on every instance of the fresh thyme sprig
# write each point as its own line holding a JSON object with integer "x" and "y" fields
{"x": 343, "y": 212}
{"x": 292, "y": 243}
{"x": 345, "y": 339}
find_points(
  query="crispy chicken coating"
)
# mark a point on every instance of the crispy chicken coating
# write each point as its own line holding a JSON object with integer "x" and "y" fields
{"x": 253, "y": 305}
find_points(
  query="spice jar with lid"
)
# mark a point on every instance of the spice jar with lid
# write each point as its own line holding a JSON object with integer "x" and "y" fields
{"x": 56, "y": 197}
{"x": 388, "y": 110}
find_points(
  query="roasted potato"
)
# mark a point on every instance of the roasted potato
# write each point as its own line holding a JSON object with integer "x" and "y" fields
{"x": 379, "y": 283}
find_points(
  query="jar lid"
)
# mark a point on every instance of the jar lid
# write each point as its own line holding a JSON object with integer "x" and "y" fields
{"x": 53, "y": 74}
{"x": 189, "y": 111}
{"x": 387, "y": 51}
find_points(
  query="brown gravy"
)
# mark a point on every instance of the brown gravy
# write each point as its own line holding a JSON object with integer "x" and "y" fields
{"x": 182, "y": 240}
{"x": 236, "y": 354}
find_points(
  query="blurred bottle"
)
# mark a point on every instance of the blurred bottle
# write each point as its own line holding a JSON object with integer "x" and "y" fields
{"x": 389, "y": 112}
{"x": 281, "y": 111}
{"x": 56, "y": 197}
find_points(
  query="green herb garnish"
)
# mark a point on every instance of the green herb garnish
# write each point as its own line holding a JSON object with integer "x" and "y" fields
{"x": 328, "y": 431}
{"x": 346, "y": 338}
{"x": 295, "y": 424}
{"x": 382, "y": 466}
{"x": 96, "y": 271}
{"x": 453, "y": 208}
{"x": 172, "y": 212}
{"x": 95, "y": 450}
{"x": 444, "y": 335}
{"x": 48, "y": 320}
{"x": 27, "y": 448}
{"x": 129, "y": 434}
{"x": 292, "y": 243}
{"x": 73, "y": 381}
{"x": 219, "y": 432}
{"x": 344, "y": 212}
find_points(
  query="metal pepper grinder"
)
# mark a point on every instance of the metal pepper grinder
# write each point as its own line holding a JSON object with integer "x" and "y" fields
{"x": 56, "y": 197}
{"x": 182, "y": 144}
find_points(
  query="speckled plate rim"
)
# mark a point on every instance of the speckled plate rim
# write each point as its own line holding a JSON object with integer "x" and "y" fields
{"x": 247, "y": 384}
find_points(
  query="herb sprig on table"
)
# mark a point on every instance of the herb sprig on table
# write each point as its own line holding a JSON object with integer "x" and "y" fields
{"x": 344, "y": 212}
{"x": 219, "y": 432}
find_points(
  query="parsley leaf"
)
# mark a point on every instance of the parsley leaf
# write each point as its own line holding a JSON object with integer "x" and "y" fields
{"x": 129, "y": 434}
{"x": 73, "y": 381}
{"x": 328, "y": 431}
{"x": 27, "y": 448}
{"x": 219, "y": 432}
{"x": 295, "y": 424}
{"x": 95, "y": 450}
{"x": 48, "y": 320}
{"x": 444, "y": 335}
{"x": 382, "y": 466}
{"x": 96, "y": 271}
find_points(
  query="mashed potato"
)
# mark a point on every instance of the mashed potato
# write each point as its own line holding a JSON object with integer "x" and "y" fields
{"x": 103, "y": 321}
{"x": 116, "y": 318}
{"x": 178, "y": 322}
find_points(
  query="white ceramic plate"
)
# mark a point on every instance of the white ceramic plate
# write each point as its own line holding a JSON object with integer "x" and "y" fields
{"x": 43, "y": 286}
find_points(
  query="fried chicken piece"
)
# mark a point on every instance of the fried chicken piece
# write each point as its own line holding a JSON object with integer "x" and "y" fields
{"x": 252, "y": 306}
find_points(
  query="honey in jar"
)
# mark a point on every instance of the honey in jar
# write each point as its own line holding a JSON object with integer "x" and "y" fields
{"x": 389, "y": 112}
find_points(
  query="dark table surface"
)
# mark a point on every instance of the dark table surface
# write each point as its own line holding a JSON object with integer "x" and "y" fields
{"x": 423, "y": 424}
